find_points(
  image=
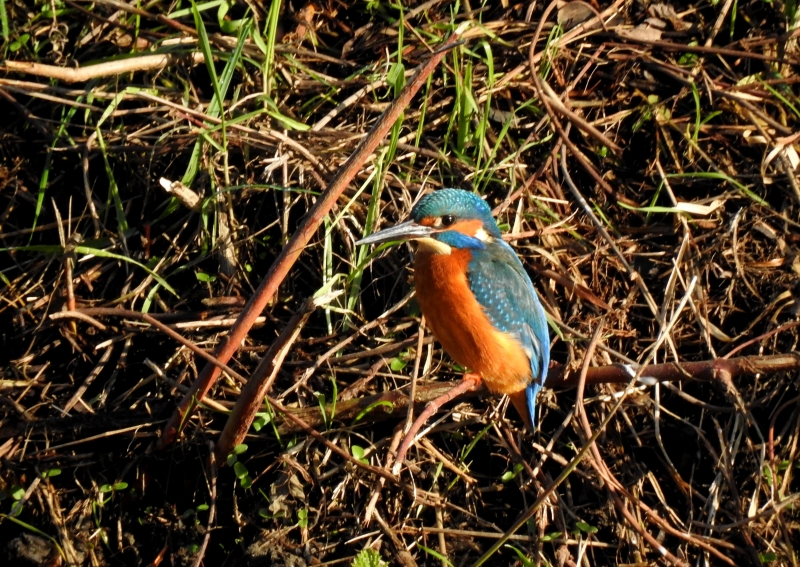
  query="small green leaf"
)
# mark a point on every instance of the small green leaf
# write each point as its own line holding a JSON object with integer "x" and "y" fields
{"x": 204, "y": 277}
{"x": 261, "y": 420}
{"x": 358, "y": 453}
{"x": 51, "y": 473}
{"x": 767, "y": 557}
{"x": 239, "y": 470}
{"x": 202, "y": 507}
{"x": 239, "y": 449}
{"x": 508, "y": 475}
{"x": 584, "y": 527}
{"x": 246, "y": 482}
{"x": 551, "y": 537}
{"x": 121, "y": 486}
{"x": 105, "y": 488}
{"x": 302, "y": 518}
{"x": 397, "y": 364}
{"x": 368, "y": 557}
{"x": 687, "y": 59}
{"x": 231, "y": 460}
{"x": 19, "y": 42}
{"x": 17, "y": 492}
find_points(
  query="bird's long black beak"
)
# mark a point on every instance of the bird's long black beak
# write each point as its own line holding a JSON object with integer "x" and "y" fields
{"x": 408, "y": 230}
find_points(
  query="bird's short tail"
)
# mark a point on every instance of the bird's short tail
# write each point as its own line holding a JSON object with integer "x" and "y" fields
{"x": 520, "y": 401}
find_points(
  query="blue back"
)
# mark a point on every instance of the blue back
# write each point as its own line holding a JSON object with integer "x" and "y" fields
{"x": 504, "y": 290}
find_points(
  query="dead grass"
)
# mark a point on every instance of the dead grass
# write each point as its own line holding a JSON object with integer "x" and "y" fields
{"x": 653, "y": 163}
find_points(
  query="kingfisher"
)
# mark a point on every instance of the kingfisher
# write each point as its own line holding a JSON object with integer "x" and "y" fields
{"x": 475, "y": 294}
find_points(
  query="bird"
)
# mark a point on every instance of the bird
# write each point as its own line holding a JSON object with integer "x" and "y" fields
{"x": 475, "y": 294}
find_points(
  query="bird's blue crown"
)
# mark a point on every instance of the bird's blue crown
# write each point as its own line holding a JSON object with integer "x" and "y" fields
{"x": 463, "y": 206}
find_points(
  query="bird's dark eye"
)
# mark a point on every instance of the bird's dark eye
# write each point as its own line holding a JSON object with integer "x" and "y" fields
{"x": 448, "y": 220}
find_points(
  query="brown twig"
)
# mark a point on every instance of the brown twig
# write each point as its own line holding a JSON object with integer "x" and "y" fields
{"x": 212, "y": 507}
{"x": 686, "y": 48}
{"x": 415, "y": 373}
{"x": 258, "y": 386}
{"x": 376, "y": 493}
{"x": 110, "y": 68}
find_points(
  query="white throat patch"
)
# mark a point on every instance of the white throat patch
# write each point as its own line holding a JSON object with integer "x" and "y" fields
{"x": 482, "y": 235}
{"x": 434, "y": 246}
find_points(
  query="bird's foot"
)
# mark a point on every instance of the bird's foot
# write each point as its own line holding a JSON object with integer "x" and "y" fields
{"x": 470, "y": 382}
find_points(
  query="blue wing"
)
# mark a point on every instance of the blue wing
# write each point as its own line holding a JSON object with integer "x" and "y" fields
{"x": 503, "y": 288}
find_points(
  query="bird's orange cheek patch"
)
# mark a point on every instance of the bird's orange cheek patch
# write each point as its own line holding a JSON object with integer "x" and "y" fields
{"x": 428, "y": 221}
{"x": 469, "y": 227}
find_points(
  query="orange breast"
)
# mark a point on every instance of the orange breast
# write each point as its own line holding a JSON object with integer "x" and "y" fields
{"x": 459, "y": 323}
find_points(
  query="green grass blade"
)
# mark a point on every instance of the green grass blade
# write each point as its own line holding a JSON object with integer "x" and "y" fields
{"x": 113, "y": 188}
{"x": 269, "y": 45}
{"x": 723, "y": 177}
{"x": 4, "y": 26}
{"x": 201, "y": 7}
{"x": 67, "y": 115}
{"x": 105, "y": 254}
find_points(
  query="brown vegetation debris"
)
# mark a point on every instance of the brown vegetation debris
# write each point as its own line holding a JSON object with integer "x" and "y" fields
{"x": 642, "y": 160}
